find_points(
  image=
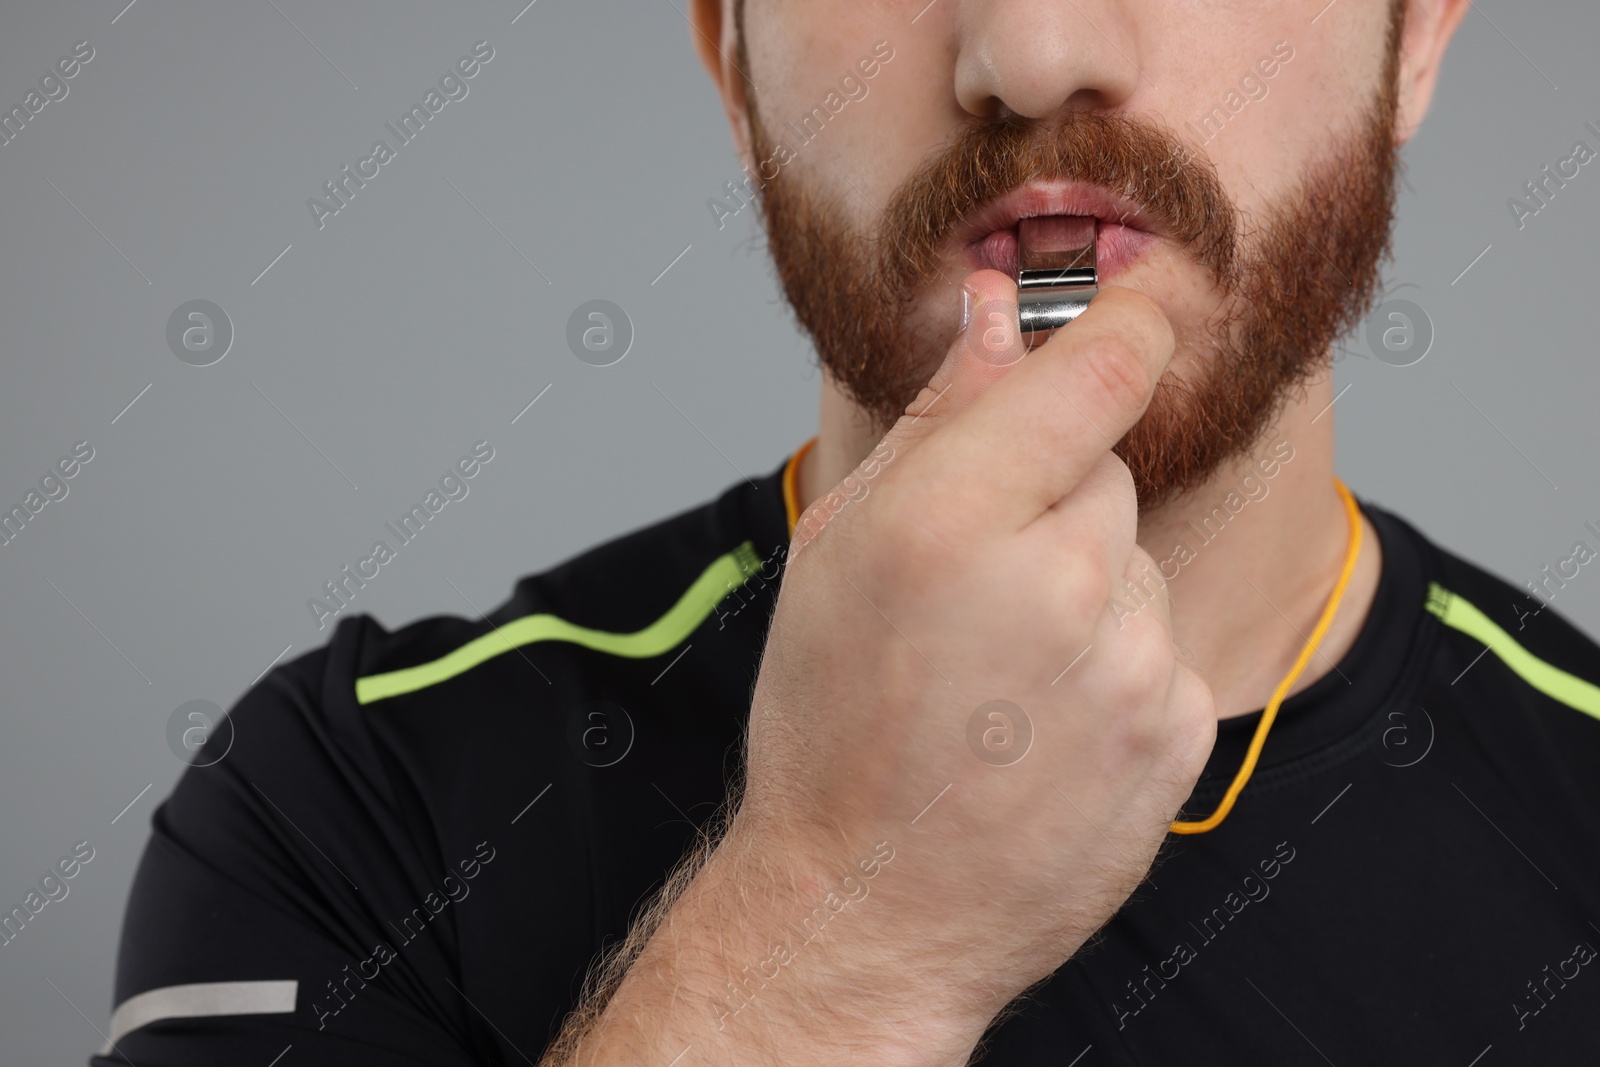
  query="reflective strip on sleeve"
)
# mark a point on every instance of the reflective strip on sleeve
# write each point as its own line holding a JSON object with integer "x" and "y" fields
{"x": 199, "y": 1000}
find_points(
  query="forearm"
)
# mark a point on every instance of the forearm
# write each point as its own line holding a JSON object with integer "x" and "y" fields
{"x": 744, "y": 960}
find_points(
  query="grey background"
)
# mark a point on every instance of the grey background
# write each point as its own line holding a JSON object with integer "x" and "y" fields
{"x": 375, "y": 351}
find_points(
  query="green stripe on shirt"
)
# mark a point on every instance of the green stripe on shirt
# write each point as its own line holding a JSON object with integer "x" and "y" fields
{"x": 1553, "y": 682}
{"x": 725, "y": 574}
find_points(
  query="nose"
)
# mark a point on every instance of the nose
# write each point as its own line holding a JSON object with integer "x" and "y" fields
{"x": 1035, "y": 57}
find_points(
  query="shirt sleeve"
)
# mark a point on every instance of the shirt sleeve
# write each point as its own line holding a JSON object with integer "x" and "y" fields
{"x": 289, "y": 896}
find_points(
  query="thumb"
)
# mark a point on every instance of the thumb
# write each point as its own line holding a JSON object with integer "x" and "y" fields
{"x": 988, "y": 344}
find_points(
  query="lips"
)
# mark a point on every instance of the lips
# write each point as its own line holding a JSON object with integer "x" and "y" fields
{"x": 988, "y": 238}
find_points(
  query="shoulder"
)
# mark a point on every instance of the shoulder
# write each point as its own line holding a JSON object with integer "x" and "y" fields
{"x": 384, "y": 717}
{"x": 1505, "y": 644}
{"x": 625, "y": 601}
{"x": 356, "y": 792}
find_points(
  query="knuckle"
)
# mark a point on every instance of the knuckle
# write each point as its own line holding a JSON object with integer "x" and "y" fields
{"x": 1109, "y": 485}
{"x": 1138, "y": 555}
{"x": 1193, "y": 727}
{"x": 1198, "y": 707}
{"x": 1145, "y": 660}
{"x": 1119, "y": 482}
{"x": 1082, "y": 546}
{"x": 1145, "y": 586}
{"x": 1081, "y": 591}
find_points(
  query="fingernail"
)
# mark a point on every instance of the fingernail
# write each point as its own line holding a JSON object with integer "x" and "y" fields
{"x": 969, "y": 298}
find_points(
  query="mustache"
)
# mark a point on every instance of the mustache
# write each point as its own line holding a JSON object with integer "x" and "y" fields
{"x": 1175, "y": 185}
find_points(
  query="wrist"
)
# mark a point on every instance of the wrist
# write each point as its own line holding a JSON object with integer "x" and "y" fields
{"x": 780, "y": 950}
{"x": 810, "y": 949}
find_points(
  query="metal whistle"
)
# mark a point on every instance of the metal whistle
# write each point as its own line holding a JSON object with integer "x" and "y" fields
{"x": 1056, "y": 273}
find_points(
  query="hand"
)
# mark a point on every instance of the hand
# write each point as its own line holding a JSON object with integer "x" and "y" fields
{"x": 975, "y": 562}
{"x": 892, "y": 877}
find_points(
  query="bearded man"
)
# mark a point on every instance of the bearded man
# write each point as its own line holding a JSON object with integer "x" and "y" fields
{"x": 1055, "y": 704}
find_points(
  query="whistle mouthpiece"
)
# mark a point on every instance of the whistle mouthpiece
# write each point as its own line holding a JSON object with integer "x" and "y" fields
{"x": 1057, "y": 274}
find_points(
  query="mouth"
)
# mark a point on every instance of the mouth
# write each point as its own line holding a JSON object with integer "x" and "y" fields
{"x": 1123, "y": 233}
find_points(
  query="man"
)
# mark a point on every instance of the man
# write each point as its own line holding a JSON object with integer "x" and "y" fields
{"x": 1095, "y": 722}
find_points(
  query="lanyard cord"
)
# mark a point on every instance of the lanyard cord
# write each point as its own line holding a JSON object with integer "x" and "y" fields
{"x": 1271, "y": 711}
{"x": 1269, "y": 714}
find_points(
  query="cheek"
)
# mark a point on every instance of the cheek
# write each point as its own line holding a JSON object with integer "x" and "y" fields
{"x": 1315, "y": 100}
{"x": 800, "y": 53}
{"x": 1261, "y": 152}
{"x": 1199, "y": 57}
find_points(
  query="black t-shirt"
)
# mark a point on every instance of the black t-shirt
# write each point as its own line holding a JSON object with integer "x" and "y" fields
{"x": 420, "y": 840}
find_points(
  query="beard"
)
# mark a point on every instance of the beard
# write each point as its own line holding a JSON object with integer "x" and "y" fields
{"x": 1290, "y": 283}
